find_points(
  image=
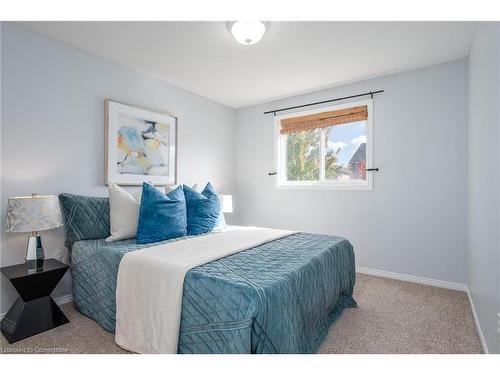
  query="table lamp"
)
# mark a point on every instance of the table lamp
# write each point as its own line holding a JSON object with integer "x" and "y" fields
{"x": 33, "y": 214}
{"x": 227, "y": 203}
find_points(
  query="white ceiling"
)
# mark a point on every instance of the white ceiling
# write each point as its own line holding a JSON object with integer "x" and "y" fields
{"x": 293, "y": 57}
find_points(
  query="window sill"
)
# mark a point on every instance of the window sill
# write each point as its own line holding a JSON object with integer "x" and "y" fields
{"x": 319, "y": 186}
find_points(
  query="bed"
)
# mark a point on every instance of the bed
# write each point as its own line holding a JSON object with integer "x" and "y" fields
{"x": 278, "y": 297}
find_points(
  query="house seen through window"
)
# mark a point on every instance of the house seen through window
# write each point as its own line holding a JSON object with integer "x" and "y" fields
{"x": 325, "y": 148}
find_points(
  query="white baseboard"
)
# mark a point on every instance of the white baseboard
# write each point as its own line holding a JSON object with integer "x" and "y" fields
{"x": 476, "y": 321}
{"x": 60, "y": 300}
{"x": 413, "y": 279}
{"x": 63, "y": 299}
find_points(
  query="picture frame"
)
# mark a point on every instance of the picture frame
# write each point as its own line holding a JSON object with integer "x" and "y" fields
{"x": 140, "y": 145}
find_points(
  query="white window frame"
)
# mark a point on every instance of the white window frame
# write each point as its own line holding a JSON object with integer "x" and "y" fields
{"x": 322, "y": 184}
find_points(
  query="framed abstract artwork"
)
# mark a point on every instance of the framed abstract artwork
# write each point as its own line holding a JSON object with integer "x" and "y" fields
{"x": 141, "y": 145}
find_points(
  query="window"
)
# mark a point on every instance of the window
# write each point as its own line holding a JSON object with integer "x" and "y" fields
{"x": 326, "y": 148}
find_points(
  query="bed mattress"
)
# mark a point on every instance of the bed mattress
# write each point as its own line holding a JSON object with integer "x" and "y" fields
{"x": 279, "y": 297}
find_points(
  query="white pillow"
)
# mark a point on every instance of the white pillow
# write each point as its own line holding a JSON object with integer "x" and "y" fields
{"x": 123, "y": 212}
{"x": 221, "y": 222}
{"x": 169, "y": 188}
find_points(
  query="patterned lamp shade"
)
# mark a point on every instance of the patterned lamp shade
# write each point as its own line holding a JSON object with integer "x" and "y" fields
{"x": 33, "y": 213}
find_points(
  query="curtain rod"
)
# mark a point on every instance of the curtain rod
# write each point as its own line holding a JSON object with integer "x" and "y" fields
{"x": 371, "y": 93}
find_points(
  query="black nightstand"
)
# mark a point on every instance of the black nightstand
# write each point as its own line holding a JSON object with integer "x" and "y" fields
{"x": 34, "y": 310}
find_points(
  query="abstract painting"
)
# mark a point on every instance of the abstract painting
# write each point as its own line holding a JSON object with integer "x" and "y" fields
{"x": 140, "y": 145}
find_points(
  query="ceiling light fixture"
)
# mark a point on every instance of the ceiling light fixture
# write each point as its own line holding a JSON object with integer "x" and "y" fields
{"x": 247, "y": 32}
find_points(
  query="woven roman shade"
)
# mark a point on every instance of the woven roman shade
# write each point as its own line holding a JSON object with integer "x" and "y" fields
{"x": 323, "y": 119}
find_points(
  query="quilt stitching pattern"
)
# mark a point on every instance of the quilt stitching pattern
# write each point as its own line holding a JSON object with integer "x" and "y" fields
{"x": 84, "y": 217}
{"x": 279, "y": 297}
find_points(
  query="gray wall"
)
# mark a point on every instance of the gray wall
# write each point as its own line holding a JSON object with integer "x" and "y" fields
{"x": 52, "y": 128}
{"x": 484, "y": 178}
{"x": 414, "y": 221}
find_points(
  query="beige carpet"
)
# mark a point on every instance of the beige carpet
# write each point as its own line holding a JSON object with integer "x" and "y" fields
{"x": 392, "y": 317}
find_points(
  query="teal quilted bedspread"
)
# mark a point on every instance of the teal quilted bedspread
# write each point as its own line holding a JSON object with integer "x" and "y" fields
{"x": 279, "y": 297}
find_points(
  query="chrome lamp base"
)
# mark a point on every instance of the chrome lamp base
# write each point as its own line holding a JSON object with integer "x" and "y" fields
{"x": 34, "y": 251}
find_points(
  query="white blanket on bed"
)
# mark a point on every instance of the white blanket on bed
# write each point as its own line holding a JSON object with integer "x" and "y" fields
{"x": 150, "y": 284}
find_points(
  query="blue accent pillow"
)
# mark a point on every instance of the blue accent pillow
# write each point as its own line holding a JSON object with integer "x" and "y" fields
{"x": 161, "y": 216}
{"x": 203, "y": 210}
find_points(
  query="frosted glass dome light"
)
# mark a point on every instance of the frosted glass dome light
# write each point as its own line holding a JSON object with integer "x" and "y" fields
{"x": 248, "y": 32}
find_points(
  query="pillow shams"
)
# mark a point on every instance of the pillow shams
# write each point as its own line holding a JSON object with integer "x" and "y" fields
{"x": 85, "y": 218}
